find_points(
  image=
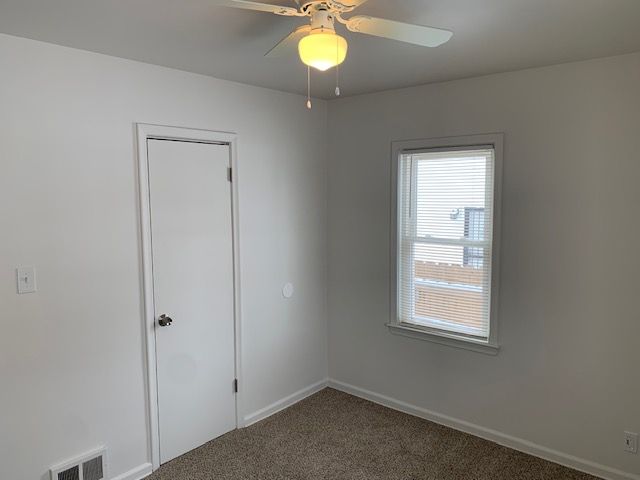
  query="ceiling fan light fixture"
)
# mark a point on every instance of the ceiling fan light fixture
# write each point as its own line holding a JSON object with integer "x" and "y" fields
{"x": 322, "y": 50}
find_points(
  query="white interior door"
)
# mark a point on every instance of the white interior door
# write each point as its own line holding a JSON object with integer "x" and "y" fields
{"x": 192, "y": 248}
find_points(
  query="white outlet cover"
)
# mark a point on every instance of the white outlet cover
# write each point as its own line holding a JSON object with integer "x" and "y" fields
{"x": 287, "y": 290}
{"x": 631, "y": 442}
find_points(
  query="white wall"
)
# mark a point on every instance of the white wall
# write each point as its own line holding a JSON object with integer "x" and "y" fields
{"x": 71, "y": 359}
{"x": 566, "y": 377}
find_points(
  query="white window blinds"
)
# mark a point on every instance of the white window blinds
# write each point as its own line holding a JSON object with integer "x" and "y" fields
{"x": 445, "y": 225}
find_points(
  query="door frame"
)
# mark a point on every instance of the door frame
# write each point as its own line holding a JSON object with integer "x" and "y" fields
{"x": 144, "y": 132}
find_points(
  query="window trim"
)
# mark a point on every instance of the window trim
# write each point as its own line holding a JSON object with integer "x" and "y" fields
{"x": 495, "y": 140}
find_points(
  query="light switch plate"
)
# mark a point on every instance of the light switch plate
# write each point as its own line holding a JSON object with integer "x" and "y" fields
{"x": 26, "y": 277}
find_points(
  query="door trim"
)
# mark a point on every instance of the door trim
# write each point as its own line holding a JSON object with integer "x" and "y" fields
{"x": 144, "y": 132}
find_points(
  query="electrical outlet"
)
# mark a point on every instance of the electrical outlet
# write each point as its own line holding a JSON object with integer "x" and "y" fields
{"x": 631, "y": 442}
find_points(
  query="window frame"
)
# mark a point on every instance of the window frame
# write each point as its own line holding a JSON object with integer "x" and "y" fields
{"x": 398, "y": 148}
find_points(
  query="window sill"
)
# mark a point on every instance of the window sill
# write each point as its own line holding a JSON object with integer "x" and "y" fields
{"x": 443, "y": 338}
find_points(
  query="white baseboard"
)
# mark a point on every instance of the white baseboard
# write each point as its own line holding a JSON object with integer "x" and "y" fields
{"x": 500, "y": 438}
{"x": 284, "y": 403}
{"x": 136, "y": 473}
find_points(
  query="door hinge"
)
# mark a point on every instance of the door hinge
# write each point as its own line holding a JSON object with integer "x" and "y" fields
{"x": 229, "y": 174}
{"x": 235, "y": 385}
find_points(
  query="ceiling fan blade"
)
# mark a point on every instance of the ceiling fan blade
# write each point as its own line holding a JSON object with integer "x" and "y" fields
{"x": 261, "y": 7}
{"x": 404, "y": 32}
{"x": 289, "y": 44}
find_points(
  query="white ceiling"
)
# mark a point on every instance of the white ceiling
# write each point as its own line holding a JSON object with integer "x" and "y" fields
{"x": 199, "y": 36}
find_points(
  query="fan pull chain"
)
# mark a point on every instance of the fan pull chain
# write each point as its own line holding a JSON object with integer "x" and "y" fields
{"x": 309, "y": 88}
{"x": 337, "y": 69}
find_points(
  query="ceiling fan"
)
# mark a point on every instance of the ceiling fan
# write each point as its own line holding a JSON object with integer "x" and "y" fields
{"x": 318, "y": 44}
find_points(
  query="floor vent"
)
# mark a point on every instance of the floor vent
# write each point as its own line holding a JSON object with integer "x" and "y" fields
{"x": 90, "y": 466}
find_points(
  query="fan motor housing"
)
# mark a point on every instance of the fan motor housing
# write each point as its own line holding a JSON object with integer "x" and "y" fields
{"x": 322, "y": 20}
{"x": 333, "y": 6}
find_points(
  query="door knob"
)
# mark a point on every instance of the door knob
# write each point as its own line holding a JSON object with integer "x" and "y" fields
{"x": 164, "y": 321}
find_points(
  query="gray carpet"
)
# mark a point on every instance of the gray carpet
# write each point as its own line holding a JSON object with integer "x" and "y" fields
{"x": 332, "y": 435}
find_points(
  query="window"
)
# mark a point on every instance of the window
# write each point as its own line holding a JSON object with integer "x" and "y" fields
{"x": 445, "y": 250}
